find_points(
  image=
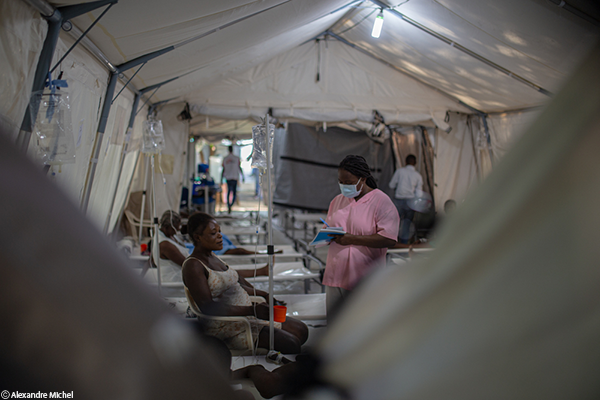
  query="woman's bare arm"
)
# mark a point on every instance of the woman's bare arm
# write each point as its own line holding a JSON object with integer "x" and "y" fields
{"x": 249, "y": 273}
{"x": 170, "y": 252}
{"x": 194, "y": 278}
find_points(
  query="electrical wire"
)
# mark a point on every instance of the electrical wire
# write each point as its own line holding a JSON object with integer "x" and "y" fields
{"x": 398, "y": 5}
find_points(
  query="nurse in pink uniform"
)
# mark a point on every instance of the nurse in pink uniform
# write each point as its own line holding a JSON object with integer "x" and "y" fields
{"x": 371, "y": 222}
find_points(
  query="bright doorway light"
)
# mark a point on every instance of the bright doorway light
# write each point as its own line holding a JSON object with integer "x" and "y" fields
{"x": 377, "y": 25}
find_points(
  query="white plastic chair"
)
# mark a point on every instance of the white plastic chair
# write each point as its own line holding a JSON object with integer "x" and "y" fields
{"x": 134, "y": 223}
{"x": 247, "y": 328}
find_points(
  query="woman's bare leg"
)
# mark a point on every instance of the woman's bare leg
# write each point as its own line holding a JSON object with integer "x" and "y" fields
{"x": 296, "y": 328}
{"x": 284, "y": 342}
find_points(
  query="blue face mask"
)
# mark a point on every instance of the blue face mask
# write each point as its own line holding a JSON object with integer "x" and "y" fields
{"x": 350, "y": 191}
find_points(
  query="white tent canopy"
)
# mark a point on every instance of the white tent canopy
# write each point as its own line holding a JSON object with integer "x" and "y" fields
{"x": 507, "y": 306}
{"x": 310, "y": 61}
{"x": 532, "y": 39}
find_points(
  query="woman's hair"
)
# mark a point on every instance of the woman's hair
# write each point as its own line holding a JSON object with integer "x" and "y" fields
{"x": 169, "y": 218}
{"x": 198, "y": 223}
{"x": 357, "y": 166}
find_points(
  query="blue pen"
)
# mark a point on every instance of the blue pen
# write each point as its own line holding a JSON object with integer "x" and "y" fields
{"x": 322, "y": 220}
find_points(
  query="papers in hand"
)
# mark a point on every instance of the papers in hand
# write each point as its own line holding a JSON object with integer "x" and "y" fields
{"x": 323, "y": 237}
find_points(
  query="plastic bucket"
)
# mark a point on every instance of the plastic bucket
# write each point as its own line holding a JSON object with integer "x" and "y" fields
{"x": 279, "y": 313}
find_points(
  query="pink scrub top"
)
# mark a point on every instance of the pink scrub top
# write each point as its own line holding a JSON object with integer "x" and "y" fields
{"x": 374, "y": 213}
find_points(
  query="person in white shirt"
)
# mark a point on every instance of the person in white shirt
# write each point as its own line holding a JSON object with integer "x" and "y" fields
{"x": 408, "y": 184}
{"x": 231, "y": 172}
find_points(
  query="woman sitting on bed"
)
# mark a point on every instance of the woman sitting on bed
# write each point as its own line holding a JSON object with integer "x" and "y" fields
{"x": 219, "y": 290}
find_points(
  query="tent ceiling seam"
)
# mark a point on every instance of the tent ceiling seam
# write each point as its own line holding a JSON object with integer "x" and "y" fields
{"x": 396, "y": 68}
{"x": 462, "y": 48}
{"x": 491, "y": 90}
{"x": 466, "y": 21}
{"x": 227, "y": 25}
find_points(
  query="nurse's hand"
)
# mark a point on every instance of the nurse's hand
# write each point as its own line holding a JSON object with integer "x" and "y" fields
{"x": 343, "y": 240}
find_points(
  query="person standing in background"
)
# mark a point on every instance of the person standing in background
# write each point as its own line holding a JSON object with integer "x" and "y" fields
{"x": 232, "y": 168}
{"x": 408, "y": 184}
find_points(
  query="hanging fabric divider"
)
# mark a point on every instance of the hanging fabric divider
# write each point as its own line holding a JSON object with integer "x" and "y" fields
{"x": 487, "y": 134}
{"x": 122, "y": 160}
{"x": 427, "y": 149}
{"x": 91, "y": 171}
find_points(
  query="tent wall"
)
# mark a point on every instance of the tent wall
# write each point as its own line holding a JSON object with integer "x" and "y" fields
{"x": 455, "y": 163}
{"x": 410, "y": 141}
{"x": 21, "y": 40}
{"x": 507, "y": 128}
{"x": 87, "y": 80}
{"x": 128, "y": 170}
{"x": 110, "y": 158}
{"x": 306, "y": 161}
{"x": 463, "y": 157}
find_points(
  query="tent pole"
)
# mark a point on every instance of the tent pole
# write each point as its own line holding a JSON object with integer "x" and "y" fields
{"x": 55, "y": 17}
{"x": 206, "y": 199}
{"x": 270, "y": 250}
{"x": 143, "y": 200}
{"x": 155, "y": 243}
{"x": 186, "y": 171}
{"x": 190, "y": 174}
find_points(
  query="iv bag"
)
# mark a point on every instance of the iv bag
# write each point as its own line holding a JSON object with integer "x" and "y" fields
{"x": 154, "y": 139}
{"x": 259, "y": 141}
{"x": 55, "y": 143}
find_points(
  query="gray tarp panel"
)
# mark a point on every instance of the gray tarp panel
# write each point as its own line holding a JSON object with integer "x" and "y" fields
{"x": 306, "y": 163}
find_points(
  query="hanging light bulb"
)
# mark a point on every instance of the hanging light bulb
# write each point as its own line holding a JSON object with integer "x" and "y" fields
{"x": 377, "y": 25}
